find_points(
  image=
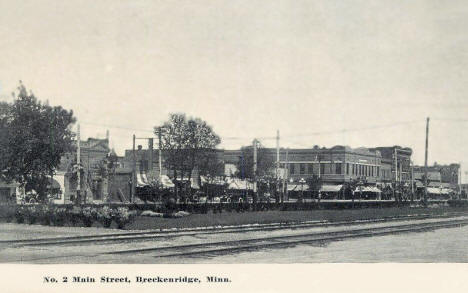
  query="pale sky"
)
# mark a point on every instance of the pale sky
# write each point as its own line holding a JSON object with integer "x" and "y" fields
{"x": 249, "y": 68}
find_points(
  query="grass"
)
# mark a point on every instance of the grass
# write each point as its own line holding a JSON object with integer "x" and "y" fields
{"x": 265, "y": 217}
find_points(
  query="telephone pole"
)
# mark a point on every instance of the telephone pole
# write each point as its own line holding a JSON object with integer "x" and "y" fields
{"x": 395, "y": 155}
{"x": 277, "y": 190}
{"x": 425, "y": 160}
{"x": 159, "y": 153}
{"x": 150, "y": 163}
{"x": 255, "y": 168}
{"x": 134, "y": 179}
{"x": 78, "y": 163}
{"x": 412, "y": 180}
{"x": 286, "y": 174}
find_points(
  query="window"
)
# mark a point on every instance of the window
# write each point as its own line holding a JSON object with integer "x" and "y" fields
{"x": 347, "y": 168}
{"x": 302, "y": 167}
{"x": 4, "y": 194}
{"x": 291, "y": 169}
{"x": 338, "y": 168}
{"x": 322, "y": 168}
{"x": 310, "y": 169}
{"x": 378, "y": 171}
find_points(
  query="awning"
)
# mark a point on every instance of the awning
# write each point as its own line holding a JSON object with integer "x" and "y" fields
{"x": 368, "y": 189}
{"x": 433, "y": 190}
{"x": 145, "y": 179}
{"x": 216, "y": 180}
{"x": 194, "y": 183}
{"x": 166, "y": 181}
{"x": 140, "y": 180}
{"x": 297, "y": 187}
{"x": 434, "y": 184}
{"x": 239, "y": 184}
{"x": 445, "y": 191}
{"x": 331, "y": 188}
{"x": 373, "y": 189}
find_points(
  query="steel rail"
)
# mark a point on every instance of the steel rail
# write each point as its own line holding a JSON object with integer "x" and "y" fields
{"x": 190, "y": 232}
{"x": 320, "y": 236}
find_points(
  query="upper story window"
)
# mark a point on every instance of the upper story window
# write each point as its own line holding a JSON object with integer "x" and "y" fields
{"x": 338, "y": 168}
{"x": 291, "y": 169}
{"x": 302, "y": 168}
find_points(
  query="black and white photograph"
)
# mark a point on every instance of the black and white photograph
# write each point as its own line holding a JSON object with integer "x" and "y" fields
{"x": 233, "y": 132}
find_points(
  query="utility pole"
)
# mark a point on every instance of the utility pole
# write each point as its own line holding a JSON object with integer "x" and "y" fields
{"x": 396, "y": 173}
{"x": 159, "y": 153}
{"x": 425, "y": 160}
{"x": 78, "y": 163}
{"x": 134, "y": 179}
{"x": 459, "y": 180}
{"x": 412, "y": 180}
{"x": 400, "y": 180}
{"x": 255, "y": 169}
{"x": 150, "y": 163}
{"x": 286, "y": 171}
{"x": 277, "y": 164}
{"x": 317, "y": 158}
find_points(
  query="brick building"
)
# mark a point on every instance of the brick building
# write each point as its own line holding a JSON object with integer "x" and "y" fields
{"x": 446, "y": 175}
{"x": 396, "y": 163}
{"x": 334, "y": 165}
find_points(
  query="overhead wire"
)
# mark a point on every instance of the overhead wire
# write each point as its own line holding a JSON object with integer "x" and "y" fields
{"x": 273, "y": 137}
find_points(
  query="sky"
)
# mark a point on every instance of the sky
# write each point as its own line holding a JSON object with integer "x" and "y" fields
{"x": 357, "y": 73}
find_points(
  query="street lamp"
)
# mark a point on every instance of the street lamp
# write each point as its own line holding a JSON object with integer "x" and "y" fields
{"x": 302, "y": 181}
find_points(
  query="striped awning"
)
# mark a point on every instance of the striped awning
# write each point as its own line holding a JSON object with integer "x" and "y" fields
{"x": 331, "y": 188}
{"x": 216, "y": 180}
{"x": 372, "y": 189}
{"x": 239, "y": 184}
{"x": 297, "y": 187}
{"x": 433, "y": 190}
{"x": 166, "y": 181}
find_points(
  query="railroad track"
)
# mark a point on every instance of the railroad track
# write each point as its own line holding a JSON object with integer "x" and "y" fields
{"x": 212, "y": 230}
{"x": 220, "y": 247}
{"x": 155, "y": 234}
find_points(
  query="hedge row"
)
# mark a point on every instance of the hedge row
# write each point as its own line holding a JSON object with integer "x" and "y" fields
{"x": 75, "y": 216}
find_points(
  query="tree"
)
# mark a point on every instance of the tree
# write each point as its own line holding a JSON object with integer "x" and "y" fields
{"x": 210, "y": 165}
{"x": 185, "y": 142}
{"x": 315, "y": 184}
{"x": 34, "y": 138}
{"x": 265, "y": 163}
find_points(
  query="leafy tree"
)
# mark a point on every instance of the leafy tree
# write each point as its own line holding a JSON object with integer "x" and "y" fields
{"x": 186, "y": 143}
{"x": 315, "y": 184}
{"x": 265, "y": 162}
{"x": 34, "y": 138}
{"x": 210, "y": 165}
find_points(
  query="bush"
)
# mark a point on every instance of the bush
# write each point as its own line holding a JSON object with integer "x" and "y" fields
{"x": 104, "y": 216}
{"x": 123, "y": 216}
{"x": 20, "y": 214}
{"x": 31, "y": 213}
{"x": 88, "y": 216}
{"x": 9, "y": 212}
{"x": 59, "y": 216}
{"x": 45, "y": 214}
{"x": 73, "y": 215}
